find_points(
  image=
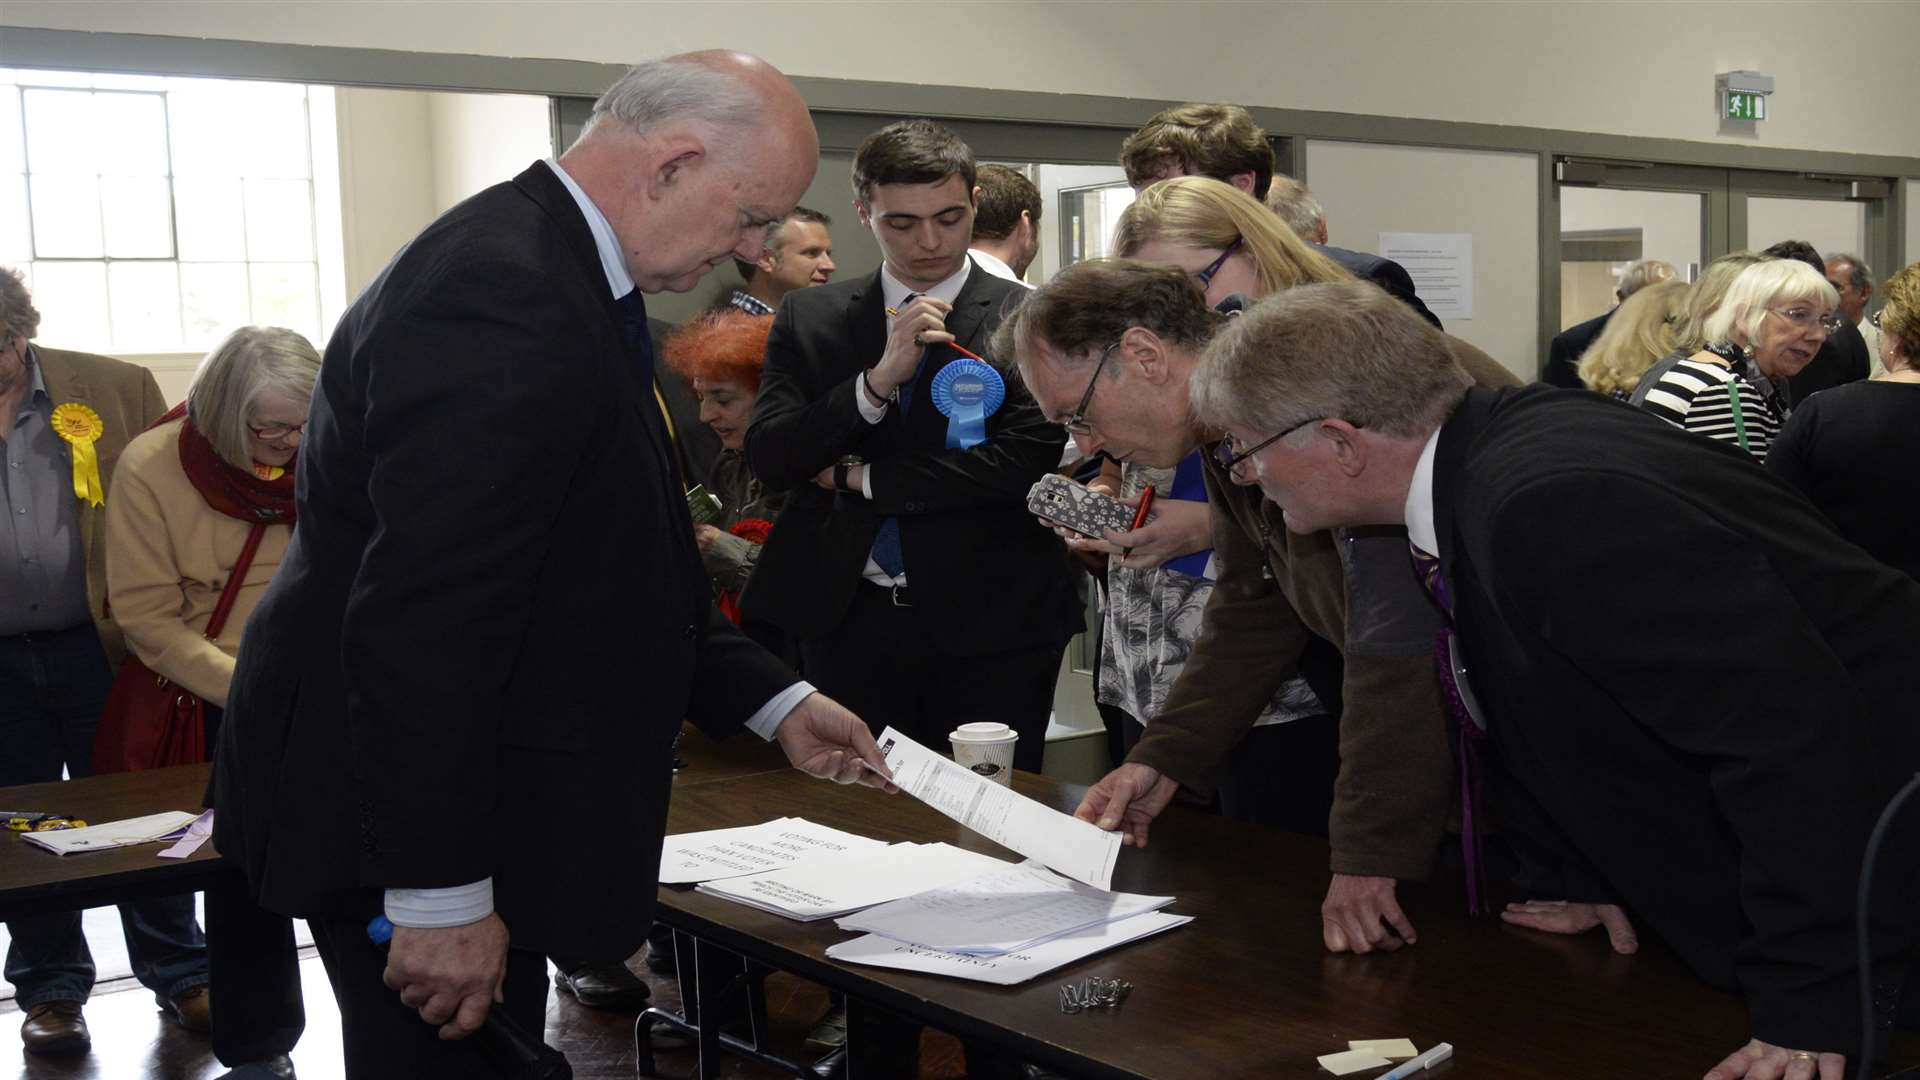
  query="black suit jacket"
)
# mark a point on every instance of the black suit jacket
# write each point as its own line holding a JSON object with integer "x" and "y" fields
{"x": 985, "y": 576}
{"x": 1383, "y": 272}
{"x": 1563, "y": 354}
{"x": 1842, "y": 359}
{"x": 492, "y": 617}
{"x": 1706, "y": 689}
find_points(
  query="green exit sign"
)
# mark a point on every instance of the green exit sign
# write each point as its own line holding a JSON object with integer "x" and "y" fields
{"x": 1746, "y": 105}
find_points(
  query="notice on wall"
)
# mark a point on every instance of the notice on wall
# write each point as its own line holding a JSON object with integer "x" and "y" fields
{"x": 1442, "y": 268}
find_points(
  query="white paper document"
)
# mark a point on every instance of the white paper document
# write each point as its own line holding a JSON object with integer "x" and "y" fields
{"x": 112, "y": 834}
{"x": 753, "y": 849}
{"x": 1010, "y": 968}
{"x": 823, "y": 890}
{"x": 1079, "y": 849}
{"x": 1002, "y": 912}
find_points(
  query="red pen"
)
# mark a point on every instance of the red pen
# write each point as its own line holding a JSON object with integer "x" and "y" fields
{"x": 1139, "y": 517}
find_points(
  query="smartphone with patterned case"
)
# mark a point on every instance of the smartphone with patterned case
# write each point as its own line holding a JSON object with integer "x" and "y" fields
{"x": 1076, "y": 507}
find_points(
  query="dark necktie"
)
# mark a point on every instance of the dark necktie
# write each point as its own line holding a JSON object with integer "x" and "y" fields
{"x": 1470, "y": 735}
{"x": 886, "y": 542}
{"x": 633, "y": 317}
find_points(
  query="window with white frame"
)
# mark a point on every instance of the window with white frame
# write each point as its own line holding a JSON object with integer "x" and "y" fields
{"x": 155, "y": 214}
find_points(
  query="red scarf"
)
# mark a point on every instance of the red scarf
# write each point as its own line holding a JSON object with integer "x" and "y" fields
{"x": 236, "y": 493}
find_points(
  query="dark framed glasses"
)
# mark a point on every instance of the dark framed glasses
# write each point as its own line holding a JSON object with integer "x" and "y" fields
{"x": 1076, "y": 424}
{"x": 1229, "y": 455}
{"x": 1205, "y": 276}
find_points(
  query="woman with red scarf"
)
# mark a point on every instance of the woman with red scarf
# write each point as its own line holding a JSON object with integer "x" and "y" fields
{"x": 207, "y": 488}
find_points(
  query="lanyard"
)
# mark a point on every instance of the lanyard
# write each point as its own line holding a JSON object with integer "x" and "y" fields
{"x": 1739, "y": 417}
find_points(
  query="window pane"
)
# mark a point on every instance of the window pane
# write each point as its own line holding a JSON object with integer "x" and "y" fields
{"x": 211, "y": 228}
{"x": 139, "y": 222}
{"x": 132, "y": 134}
{"x": 72, "y": 300}
{"x": 273, "y": 126}
{"x": 66, "y": 216}
{"x": 285, "y": 294}
{"x": 110, "y": 81}
{"x": 14, "y": 237}
{"x": 30, "y": 77}
{"x": 13, "y": 152}
{"x": 279, "y": 220}
{"x": 213, "y": 302}
{"x": 145, "y": 303}
{"x": 60, "y": 131}
{"x": 202, "y": 141}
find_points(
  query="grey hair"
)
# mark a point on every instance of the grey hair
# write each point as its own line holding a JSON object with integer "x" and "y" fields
{"x": 1703, "y": 298}
{"x": 1639, "y": 275}
{"x": 17, "y": 313}
{"x": 1346, "y": 350}
{"x": 1759, "y": 287}
{"x": 254, "y": 362}
{"x": 1859, "y": 274}
{"x": 655, "y": 92}
{"x": 1296, "y": 206}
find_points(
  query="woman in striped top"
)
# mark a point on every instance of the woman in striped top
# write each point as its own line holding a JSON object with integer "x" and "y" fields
{"x": 1772, "y": 321}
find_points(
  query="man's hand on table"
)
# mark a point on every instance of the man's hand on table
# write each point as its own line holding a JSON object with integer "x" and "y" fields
{"x": 1565, "y": 917}
{"x": 823, "y": 739}
{"x": 1128, "y": 799}
{"x": 1764, "y": 1061}
{"x": 1350, "y": 916}
{"x": 450, "y": 975}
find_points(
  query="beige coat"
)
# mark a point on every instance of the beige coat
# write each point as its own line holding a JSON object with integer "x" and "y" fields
{"x": 127, "y": 399}
{"x": 168, "y": 556}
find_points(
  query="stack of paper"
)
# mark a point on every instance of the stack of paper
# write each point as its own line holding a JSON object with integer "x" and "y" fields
{"x": 823, "y": 890}
{"x": 113, "y": 834}
{"x": 1004, "y": 927}
{"x": 753, "y": 849}
{"x": 1078, "y": 849}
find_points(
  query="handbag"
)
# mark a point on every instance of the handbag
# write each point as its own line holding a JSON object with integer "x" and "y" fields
{"x": 150, "y": 723}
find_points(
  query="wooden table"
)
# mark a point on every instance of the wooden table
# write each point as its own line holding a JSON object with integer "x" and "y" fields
{"x": 34, "y": 880}
{"x": 1247, "y": 988}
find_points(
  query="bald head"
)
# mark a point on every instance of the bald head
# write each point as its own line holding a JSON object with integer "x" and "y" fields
{"x": 689, "y": 158}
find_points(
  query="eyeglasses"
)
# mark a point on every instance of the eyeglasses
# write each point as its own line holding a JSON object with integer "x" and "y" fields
{"x": 275, "y": 432}
{"x": 1230, "y": 459}
{"x": 1206, "y": 276}
{"x": 1076, "y": 424}
{"x": 1805, "y": 319}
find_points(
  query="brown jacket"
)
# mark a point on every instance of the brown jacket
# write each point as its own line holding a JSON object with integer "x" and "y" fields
{"x": 128, "y": 399}
{"x": 1357, "y": 591}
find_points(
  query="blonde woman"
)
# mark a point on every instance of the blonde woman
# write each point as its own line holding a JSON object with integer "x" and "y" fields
{"x": 1640, "y": 332}
{"x": 1228, "y": 241}
{"x": 1851, "y": 448}
{"x": 1771, "y": 323}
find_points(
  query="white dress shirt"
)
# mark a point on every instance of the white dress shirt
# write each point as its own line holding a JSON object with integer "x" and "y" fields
{"x": 893, "y": 296}
{"x": 1421, "y": 528}
{"x": 459, "y": 905}
{"x": 996, "y": 266}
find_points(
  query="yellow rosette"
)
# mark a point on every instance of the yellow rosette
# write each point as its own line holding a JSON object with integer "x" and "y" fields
{"x": 81, "y": 426}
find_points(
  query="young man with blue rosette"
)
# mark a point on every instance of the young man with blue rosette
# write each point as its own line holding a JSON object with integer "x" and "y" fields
{"x": 907, "y": 566}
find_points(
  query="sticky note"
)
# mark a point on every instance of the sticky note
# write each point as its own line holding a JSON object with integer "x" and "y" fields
{"x": 1386, "y": 1048}
{"x": 1351, "y": 1061}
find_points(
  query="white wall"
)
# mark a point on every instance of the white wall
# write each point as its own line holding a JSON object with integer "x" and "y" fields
{"x": 482, "y": 139}
{"x": 1630, "y": 68}
{"x": 386, "y": 176}
{"x": 1367, "y": 190}
{"x": 1828, "y": 226}
{"x": 1669, "y": 221}
{"x": 1912, "y": 246}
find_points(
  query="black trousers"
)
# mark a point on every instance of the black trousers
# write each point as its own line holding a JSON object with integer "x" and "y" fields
{"x": 882, "y": 664}
{"x": 1281, "y": 775}
{"x": 385, "y": 1040}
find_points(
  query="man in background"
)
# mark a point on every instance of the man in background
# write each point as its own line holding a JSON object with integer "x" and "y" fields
{"x": 1563, "y": 354}
{"x": 797, "y": 252}
{"x": 1853, "y": 279}
{"x": 1223, "y": 142}
{"x": 1006, "y": 229}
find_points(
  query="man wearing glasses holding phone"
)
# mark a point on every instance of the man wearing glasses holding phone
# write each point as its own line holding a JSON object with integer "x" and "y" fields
{"x": 1107, "y": 347}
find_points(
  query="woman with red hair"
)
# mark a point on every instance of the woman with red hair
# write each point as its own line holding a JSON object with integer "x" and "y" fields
{"x": 721, "y": 356}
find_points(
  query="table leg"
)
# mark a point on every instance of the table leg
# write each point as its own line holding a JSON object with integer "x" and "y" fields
{"x": 880, "y": 1044}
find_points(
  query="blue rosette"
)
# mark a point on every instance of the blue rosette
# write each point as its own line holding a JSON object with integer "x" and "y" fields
{"x": 966, "y": 392}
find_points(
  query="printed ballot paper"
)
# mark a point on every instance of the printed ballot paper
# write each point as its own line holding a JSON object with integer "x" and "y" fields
{"x": 1010, "y": 910}
{"x": 1078, "y": 849}
{"x": 112, "y": 834}
{"x": 825, "y": 889}
{"x": 753, "y": 849}
{"x": 1007, "y": 969}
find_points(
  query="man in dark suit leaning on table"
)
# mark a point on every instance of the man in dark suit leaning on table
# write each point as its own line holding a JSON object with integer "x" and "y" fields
{"x": 455, "y": 703}
{"x": 1707, "y": 694}
{"x": 922, "y": 592}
